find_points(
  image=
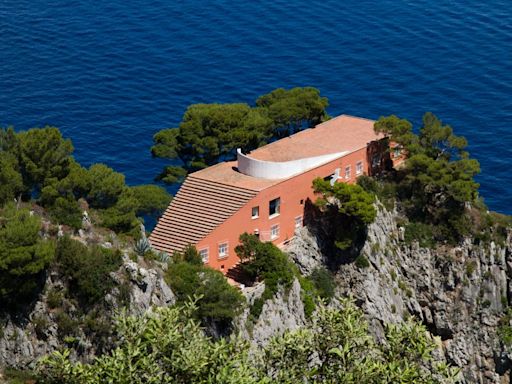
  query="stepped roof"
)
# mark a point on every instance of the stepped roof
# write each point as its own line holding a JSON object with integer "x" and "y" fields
{"x": 198, "y": 208}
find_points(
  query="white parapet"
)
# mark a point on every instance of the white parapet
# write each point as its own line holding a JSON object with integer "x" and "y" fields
{"x": 281, "y": 169}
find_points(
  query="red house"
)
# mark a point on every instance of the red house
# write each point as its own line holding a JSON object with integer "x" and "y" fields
{"x": 264, "y": 191}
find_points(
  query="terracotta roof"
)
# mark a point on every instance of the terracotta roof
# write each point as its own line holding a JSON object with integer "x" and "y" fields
{"x": 227, "y": 173}
{"x": 198, "y": 208}
{"x": 342, "y": 133}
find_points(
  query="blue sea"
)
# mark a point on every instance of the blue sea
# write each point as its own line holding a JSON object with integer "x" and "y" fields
{"x": 110, "y": 74}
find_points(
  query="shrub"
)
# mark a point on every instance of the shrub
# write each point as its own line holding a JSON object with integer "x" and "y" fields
{"x": 66, "y": 325}
{"x": 470, "y": 267}
{"x": 362, "y": 262}
{"x": 420, "y": 232}
{"x": 88, "y": 269}
{"x": 54, "y": 298}
{"x": 218, "y": 301}
{"x": 66, "y": 211}
{"x": 324, "y": 283}
{"x": 40, "y": 324}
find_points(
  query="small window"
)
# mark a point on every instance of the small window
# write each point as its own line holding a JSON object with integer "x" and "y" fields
{"x": 359, "y": 167}
{"x": 255, "y": 212}
{"x": 298, "y": 222}
{"x": 347, "y": 172}
{"x": 397, "y": 151}
{"x": 274, "y": 207}
{"x": 274, "y": 231}
{"x": 223, "y": 250}
{"x": 301, "y": 201}
{"x": 204, "y": 255}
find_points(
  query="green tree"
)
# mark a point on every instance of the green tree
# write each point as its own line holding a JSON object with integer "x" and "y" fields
{"x": 209, "y": 133}
{"x": 151, "y": 199}
{"x": 24, "y": 256}
{"x": 438, "y": 178}
{"x": 87, "y": 269}
{"x": 295, "y": 108}
{"x": 106, "y": 186}
{"x": 11, "y": 182}
{"x": 121, "y": 217}
{"x": 43, "y": 155}
{"x": 349, "y": 207}
{"x": 217, "y": 300}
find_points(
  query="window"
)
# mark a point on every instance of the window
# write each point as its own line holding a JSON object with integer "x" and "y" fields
{"x": 347, "y": 172}
{"x": 255, "y": 212}
{"x": 274, "y": 231}
{"x": 223, "y": 250}
{"x": 298, "y": 222}
{"x": 204, "y": 255}
{"x": 301, "y": 201}
{"x": 397, "y": 151}
{"x": 359, "y": 167}
{"x": 274, "y": 207}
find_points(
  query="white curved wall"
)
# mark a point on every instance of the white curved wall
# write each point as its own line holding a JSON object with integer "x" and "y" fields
{"x": 283, "y": 169}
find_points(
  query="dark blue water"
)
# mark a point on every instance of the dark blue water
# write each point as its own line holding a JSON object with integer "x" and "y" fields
{"x": 111, "y": 74}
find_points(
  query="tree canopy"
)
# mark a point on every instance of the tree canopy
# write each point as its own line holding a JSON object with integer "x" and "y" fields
{"x": 438, "y": 177}
{"x": 167, "y": 345}
{"x": 209, "y": 133}
{"x": 38, "y": 164}
{"x": 349, "y": 207}
{"x": 23, "y": 254}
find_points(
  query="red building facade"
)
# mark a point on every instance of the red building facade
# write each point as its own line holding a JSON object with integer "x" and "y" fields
{"x": 264, "y": 192}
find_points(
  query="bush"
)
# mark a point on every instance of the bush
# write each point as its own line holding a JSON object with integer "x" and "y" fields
{"x": 362, "y": 262}
{"x": 66, "y": 325}
{"x": 66, "y": 211}
{"x": 40, "y": 324}
{"x": 218, "y": 301}
{"x": 324, "y": 283}
{"x": 420, "y": 232}
{"x": 54, "y": 298}
{"x": 88, "y": 269}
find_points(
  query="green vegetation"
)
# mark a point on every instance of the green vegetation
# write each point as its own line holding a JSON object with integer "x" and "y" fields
{"x": 420, "y": 232}
{"x": 87, "y": 268}
{"x": 266, "y": 262}
{"x": 168, "y": 346}
{"x": 323, "y": 281}
{"x": 505, "y": 328}
{"x": 39, "y": 163}
{"x": 349, "y": 208}
{"x": 23, "y": 254}
{"x": 437, "y": 182}
{"x": 209, "y": 133}
{"x": 217, "y": 300}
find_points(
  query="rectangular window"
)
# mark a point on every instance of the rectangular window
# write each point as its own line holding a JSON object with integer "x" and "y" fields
{"x": 298, "y": 222}
{"x": 347, "y": 172}
{"x": 274, "y": 207}
{"x": 223, "y": 250}
{"x": 359, "y": 167}
{"x": 397, "y": 151}
{"x": 204, "y": 255}
{"x": 274, "y": 231}
{"x": 255, "y": 212}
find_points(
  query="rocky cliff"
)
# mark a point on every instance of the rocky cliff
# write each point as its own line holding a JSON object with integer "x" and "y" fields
{"x": 460, "y": 294}
{"x": 27, "y": 337}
